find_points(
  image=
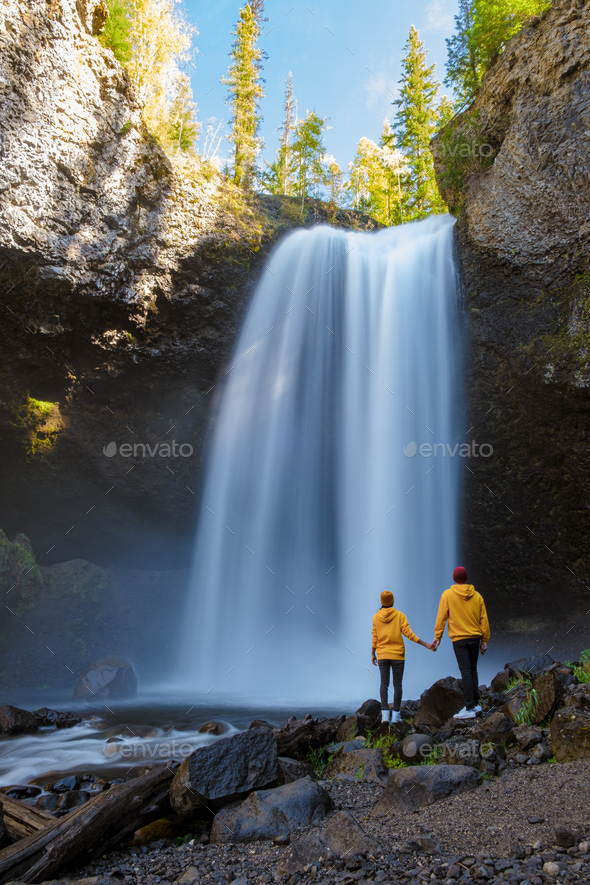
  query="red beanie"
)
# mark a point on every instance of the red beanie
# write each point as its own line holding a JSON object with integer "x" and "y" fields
{"x": 460, "y": 575}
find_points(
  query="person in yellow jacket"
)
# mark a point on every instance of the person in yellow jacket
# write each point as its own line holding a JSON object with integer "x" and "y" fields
{"x": 389, "y": 628}
{"x": 469, "y": 629}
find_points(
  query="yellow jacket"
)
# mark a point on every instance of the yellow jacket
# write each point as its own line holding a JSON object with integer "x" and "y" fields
{"x": 463, "y": 607}
{"x": 388, "y": 626}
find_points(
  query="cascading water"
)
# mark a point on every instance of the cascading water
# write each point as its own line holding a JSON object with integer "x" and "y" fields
{"x": 317, "y": 495}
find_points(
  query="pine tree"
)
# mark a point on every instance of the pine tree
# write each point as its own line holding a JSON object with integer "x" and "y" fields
{"x": 463, "y": 68}
{"x": 244, "y": 94}
{"x": 183, "y": 130}
{"x": 308, "y": 151}
{"x": 416, "y": 121}
{"x": 378, "y": 178}
{"x": 287, "y": 131}
{"x": 333, "y": 180}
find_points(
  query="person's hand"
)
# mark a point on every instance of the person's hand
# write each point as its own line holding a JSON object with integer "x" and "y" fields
{"x": 483, "y": 647}
{"x": 374, "y": 659}
{"x": 435, "y": 644}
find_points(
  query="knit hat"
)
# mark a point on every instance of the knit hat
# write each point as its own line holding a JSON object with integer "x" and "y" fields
{"x": 460, "y": 575}
{"x": 386, "y": 598}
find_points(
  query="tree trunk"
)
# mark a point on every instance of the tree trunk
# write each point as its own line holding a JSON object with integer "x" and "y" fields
{"x": 21, "y": 820}
{"x": 96, "y": 826}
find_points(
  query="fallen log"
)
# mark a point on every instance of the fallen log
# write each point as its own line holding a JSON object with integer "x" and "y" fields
{"x": 21, "y": 820}
{"x": 93, "y": 828}
{"x": 299, "y": 736}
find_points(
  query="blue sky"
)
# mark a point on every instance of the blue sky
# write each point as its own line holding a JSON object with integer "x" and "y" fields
{"x": 344, "y": 55}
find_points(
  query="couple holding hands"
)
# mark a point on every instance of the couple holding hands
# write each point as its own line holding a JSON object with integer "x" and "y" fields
{"x": 468, "y": 627}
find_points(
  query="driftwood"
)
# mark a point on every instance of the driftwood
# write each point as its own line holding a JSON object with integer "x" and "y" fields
{"x": 299, "y": 736}
{"x": 93, "y": 828}
{"x": 21, "y": 820}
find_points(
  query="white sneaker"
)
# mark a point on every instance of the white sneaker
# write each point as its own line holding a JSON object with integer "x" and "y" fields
{"x": 477, "y": 709}
{"x": 385, "y": 716}
{"x": 396, "y": 716}
{"x": 465, "y": 714}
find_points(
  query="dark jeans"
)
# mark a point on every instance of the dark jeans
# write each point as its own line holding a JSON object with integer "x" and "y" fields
{"x": 467, "y": 652}
{"x": 397, "y": 673}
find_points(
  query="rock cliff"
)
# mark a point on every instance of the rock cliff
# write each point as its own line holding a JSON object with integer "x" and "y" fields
{"x": 516, "y": 168}
{"x": 124, "y": 275}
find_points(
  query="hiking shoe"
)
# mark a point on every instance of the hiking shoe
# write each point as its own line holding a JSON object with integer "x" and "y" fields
{"x": 477, "y": 709}
{"x": 465, "y": 714}
{"x": 385, "y": 716}
{"x": 396, "y": 716}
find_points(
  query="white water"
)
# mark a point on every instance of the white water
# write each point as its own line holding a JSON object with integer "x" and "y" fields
{"x": 349, "y": 352}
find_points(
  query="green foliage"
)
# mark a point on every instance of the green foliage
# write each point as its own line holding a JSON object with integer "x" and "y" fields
{"x": 125, "y": 128}
{"x": 38, "y": 424}
{"x": 416, "y": 121}
{"x": 394, "y": 761}
{"x": 244, "y": 94}
{"x": 117, "y": 30}
{"x": 462, "y": 149}
{"x": 385, "y": 742}
{"x": 183, "y": 128}
{"x": 520, "y": 681}
{"x": 527, "y": 713}
{"x": 375, "y": 181}
{"x": 308, "y": 153}
{"x": 319, "y": 757}
{"x": 433, "y": 757}
{"x": 278, "y": 178}
{"x": 482, "y": 30}
{"x": 582, "y": 670}
{"x": 20, "y": 577}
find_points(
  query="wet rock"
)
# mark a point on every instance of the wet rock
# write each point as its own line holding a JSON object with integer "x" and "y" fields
{"x": 529, "y": 667}
{"x": 48, "y": 802}
{"x": 16, "y": 721}
{"x": 527, "y": 736}
{"x": 363, "y": 766}
{"x": 72, "y": 799}
{"x": 110, "y": 678}
{"x": 292, "y": 769}
{"x": 269, "y": 813}
{"x": 415, "y": 748}
{"x": 213, "y": 728}
{"x": 412, "y": 788}
{"x": 226, "y": 770}
{"x": 45, "y": 717}
{"x": 17, "y": 791}
{"x": 570, "y": 734}
{"x": 71, "y": 782}
{"x": 500, "y": 681}
{"x": 438, "y": 704}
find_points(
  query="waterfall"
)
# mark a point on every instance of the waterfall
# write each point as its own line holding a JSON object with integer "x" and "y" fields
{"x": 319, "y": 490}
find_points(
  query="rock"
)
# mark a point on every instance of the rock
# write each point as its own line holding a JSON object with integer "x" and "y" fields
{"x": 261, "y": 723}
{"x": 527, "y": 736}
{"x": 409, "y": 709}
{"x": 415, "y": 748}
{"x": 364, "y": 766}
{"x": 570, "y": 734}
{"x": 366, "y": 719}
{"x": 306, "y": 851}
{"x": 213, "y": 728}
{"x": 462, "y": 751}
{"x": 72, "y": 782}
{"x": 550, "y": 691}
{"x": 530, "y": 667}
{"x": 565, "y": 837}
{"x": 226, "y": 770}
{"x": 17, "y": 791}
{"x": 291, "y": 770}
{"x": 190, "y": 876}
{"x": 110, "y": 678}
{"x": 495, "y": 728}
{"x": 541, "y": 752}
{"x": 551, "y": 869}
{"x": 371, "y": 710}
{"x": 45, "y": 717}
{"x": 72, "y": 799}
{"x": 412, "y": 788}
{"x": 159, "y": 829}
{"x": 438, "y": 704}
{"x": 344, "y": 835}
{"x": 16, "y": 721}
{"x": 584, "y": 848}
{"x": 500, "y": 681}
{"x": 281, "y": 840}
{"x": 269, "y": 813}
{"x": 48, "y": 802}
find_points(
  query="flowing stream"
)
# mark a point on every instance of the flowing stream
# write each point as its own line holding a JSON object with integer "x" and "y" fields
{"x": 320, "y": 489}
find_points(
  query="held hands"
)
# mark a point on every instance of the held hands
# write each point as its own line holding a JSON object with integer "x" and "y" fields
{"x": 483, "y": 647}
{"x": 435, "y": 644}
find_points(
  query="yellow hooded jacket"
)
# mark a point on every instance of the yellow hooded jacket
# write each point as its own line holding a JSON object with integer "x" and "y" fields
{"x": 463, "y": 607}
{"x": 388, "y": 626}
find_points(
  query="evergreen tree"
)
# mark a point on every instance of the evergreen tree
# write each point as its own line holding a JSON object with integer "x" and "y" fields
{"x": 463, "y": 68}
{"x": 333, "y": 180}
{"x": 287, "y": 130}
{"x": 308, "y": 151}
{"x": 378, "y": 178}
{"x": 183, "y": 130}
{"x": 244, "y": 94}
{"x": 416, "y": 121}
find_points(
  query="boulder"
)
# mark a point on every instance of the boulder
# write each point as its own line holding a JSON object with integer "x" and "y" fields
{"x": 21, "y": 791}
{"x": 72, "y": 799}
{"x": 438, "y": 703}
{"x": 269, "y": 813}
{"x": 343, "y": 835}
{"x": 364, "y": 766}
{"x": 366, "y": 719}
{"x": 415, "y": 748}
{"x": 16, "y": 721}
{"x": 548, "y": 694}
{"x": 226, "y": 770}
{"x": 371, "y": 710}
{"x": 570, "y": 733}
{"x": 110, "y": 678}
{"x": 412, "y": 788}
{"x": 527, "y": 736}
{"x": 500, "y": 681}
{"x": 540, "y": 753}
{"x": 495, "y": 728}
{"x": 45, "y": 718}
{"x": 533, "y": 666}
{"x": 291, "y": 770}
{"x": 306, "y": 852}
{"x": 213, "y": 728}
{"x": 462, "y": 751}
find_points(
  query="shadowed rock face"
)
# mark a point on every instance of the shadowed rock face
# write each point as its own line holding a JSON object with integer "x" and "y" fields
{"x": 125, "y": 276}
{"x": 523, "y": 248}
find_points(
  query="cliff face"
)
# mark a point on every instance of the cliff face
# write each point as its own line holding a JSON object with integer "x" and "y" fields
{"x": 516, "y": 165}
{"x": 124, "y": 277}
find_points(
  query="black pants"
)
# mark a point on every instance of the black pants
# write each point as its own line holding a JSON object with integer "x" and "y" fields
{"x": 397, "y": 672}
{"x": 466, "y": 652}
